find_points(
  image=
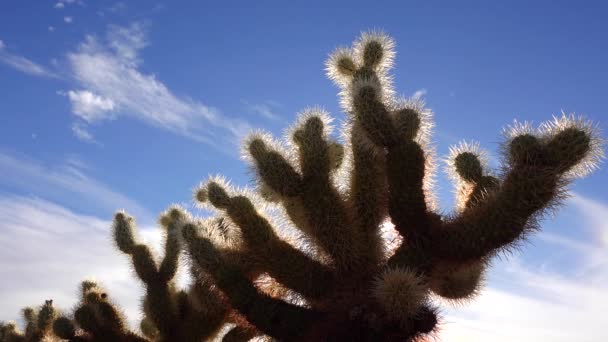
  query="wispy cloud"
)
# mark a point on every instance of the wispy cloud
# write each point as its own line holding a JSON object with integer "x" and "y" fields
{"x": 23, "y": 64}
{"x": 65, "y": 182}
{"x": 83, "y": 134}
{"x": 529, "y": 302}
{"x": 109, "y": 70}
{"x": 68, "y": 19}
{"x": 63, "y": 3}
{"x": 265, "y": 109}
{"x": 419, "y": 94}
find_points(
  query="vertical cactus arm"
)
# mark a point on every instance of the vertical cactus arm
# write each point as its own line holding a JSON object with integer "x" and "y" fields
{"x": 405, "y": 168}
{"x": 271, "y": 316}
{"x": 159, "y": 303}
{"x": 171, "y": 220}
{"x": 372, "y": 114}
{"x": 205, "y": 305}
{"x": 31, "y": 323}
{"x": 535, "y": 181}
{"x": 326, "y": 210}
{"x": 239, "y": 334}
{"x": 368, "y": 193}
{"x": 271, "y": 253}
{"x": 46, "y": 316}
{"x": 141, "y": 257}
{"x": 160, "y": 307}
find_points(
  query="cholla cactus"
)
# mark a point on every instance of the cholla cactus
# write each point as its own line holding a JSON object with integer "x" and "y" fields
{"x": 312, "y": 255}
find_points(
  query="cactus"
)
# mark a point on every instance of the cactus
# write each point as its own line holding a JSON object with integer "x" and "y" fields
{"x": 306, "y": 257}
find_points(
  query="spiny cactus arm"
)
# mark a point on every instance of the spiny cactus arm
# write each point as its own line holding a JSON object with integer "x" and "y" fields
{"x": 467, "y": 166}
{"x": 274, "y": 169}
{"x": 368, "y": 193}
{"x": 538, "y": 172}
{"x": 239, "y": 334}
{"x": 172, "y": 220}
{"x": 274, "y": 255}
{"x": 159, "y": 304}
{"x": 271, "y": 316}
{"x": 45, "y": 317}
{"x": 202, "y": 310}
{"x": 31, "y": 322}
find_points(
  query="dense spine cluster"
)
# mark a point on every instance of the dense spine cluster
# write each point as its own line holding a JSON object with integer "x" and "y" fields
{"x": 341, "y": 241}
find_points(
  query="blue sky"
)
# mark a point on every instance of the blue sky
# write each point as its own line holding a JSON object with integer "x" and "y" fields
{"x": 109, "y": 105}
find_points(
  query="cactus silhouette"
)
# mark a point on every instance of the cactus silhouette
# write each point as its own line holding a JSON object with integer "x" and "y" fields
{"x": 341, "y": 240}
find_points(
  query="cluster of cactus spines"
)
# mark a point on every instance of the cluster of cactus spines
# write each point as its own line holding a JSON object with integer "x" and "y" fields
{"x": 38, "y": 324}
{"x": 338, "y": 278}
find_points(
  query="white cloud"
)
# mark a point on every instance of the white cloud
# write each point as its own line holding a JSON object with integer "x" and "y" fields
{"x": 51, "y": 28}
{"x": 68, "y": 19}
{"x": 22, "y": 64}
{"x": 67, "y": 183}
{"x": 59, "y": 5}
{"x": 57, "y": 249}
{"x": 532, "y": 303}
{"x": 90, "y": 107}
{"x": 420, "y": 93}
{"x": 111, "y": 71}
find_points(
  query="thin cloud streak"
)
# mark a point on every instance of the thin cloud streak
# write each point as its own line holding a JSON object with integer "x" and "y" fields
{"x": 266, "y": 109}
{"x": 66, "y": 181}
{"x": 23, "y": 64}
